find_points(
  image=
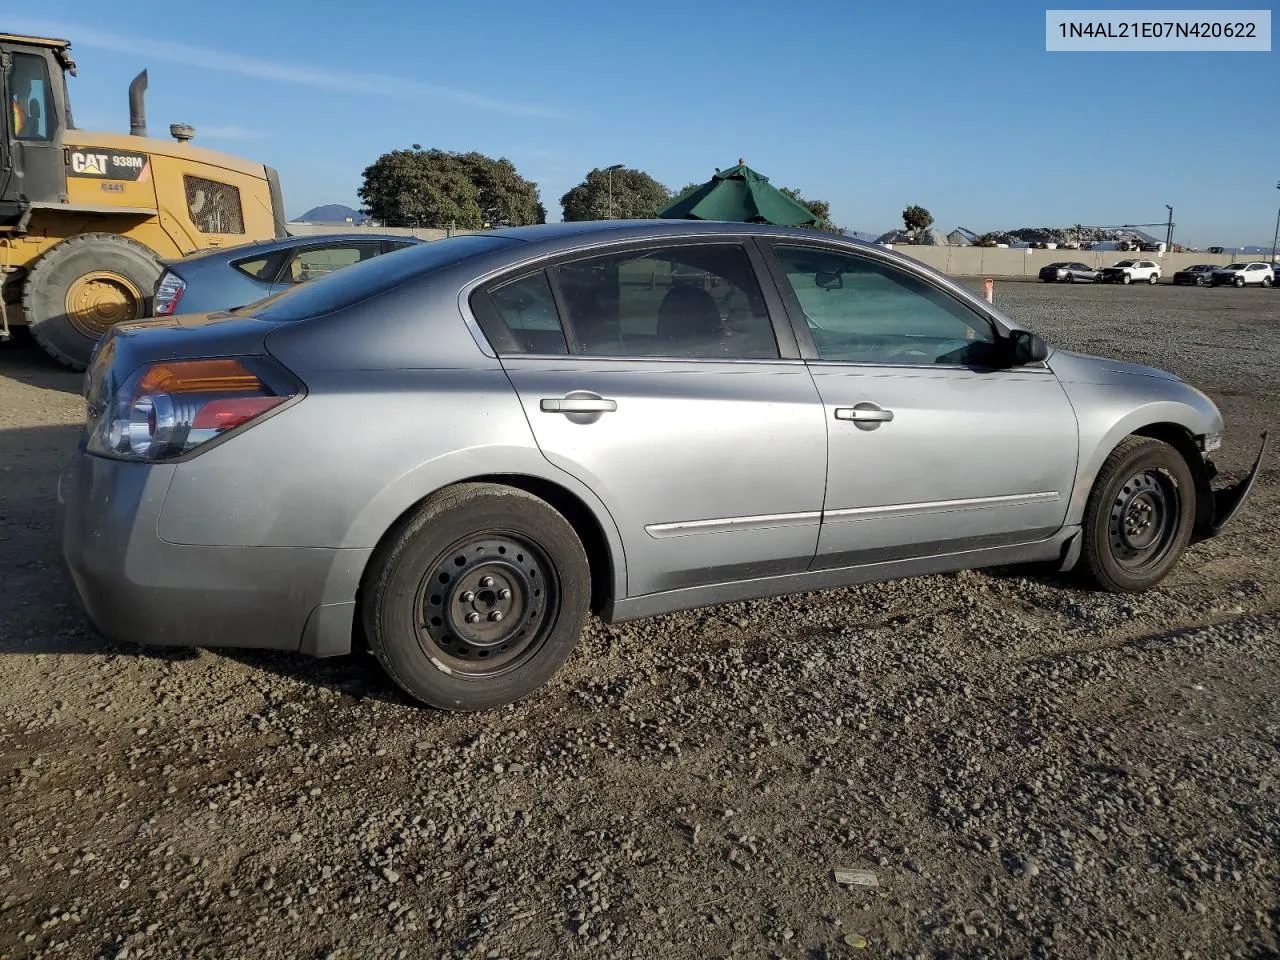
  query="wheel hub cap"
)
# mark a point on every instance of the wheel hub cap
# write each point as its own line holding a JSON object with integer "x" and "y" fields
{"x": 99, "y": 300}
{"x": 1143, "y": 519}
{"x": 486, "y": 604}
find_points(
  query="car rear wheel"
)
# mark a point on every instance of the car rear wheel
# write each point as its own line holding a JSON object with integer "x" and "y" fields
{"x": 1152, "y": 279}
{"x": 478, "y": 598}
{"x": 1139, "y": 516}
{"x": 1266, "y": 281}
{"x": 1070, "y": 277}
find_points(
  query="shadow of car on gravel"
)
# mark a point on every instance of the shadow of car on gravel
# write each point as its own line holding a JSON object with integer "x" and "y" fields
{"x": 21, "y": 359}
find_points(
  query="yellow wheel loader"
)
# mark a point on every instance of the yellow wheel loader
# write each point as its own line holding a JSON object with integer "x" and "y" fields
{"x": 85, "y": 218}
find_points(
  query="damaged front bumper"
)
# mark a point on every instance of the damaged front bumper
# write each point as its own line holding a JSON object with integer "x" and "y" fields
{"x": 1221, "y": 505}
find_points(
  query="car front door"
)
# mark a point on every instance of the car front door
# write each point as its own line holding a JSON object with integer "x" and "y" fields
{"x": 934, "y": 448}
{"x": 655, "y": 376}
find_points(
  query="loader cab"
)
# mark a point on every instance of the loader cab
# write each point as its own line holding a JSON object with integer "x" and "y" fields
{"x": 34, "y": 118}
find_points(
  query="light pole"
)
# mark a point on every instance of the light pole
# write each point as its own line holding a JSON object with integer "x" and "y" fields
{"x": 1168, "y": 238}
{"x": 1276, "y": 236}
{"x": 609, "y": 170}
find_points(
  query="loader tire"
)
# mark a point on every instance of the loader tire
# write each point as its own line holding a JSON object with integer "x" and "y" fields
{"x": 82, "y": 287}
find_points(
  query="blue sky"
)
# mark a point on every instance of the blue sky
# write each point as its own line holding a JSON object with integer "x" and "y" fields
{"x": 870, "y": 106}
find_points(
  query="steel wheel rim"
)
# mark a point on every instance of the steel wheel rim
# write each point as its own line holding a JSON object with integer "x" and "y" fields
{"x": 486, "y": 605}
{"x": 99, "y": 300}
{"x": 1144, "y": 520}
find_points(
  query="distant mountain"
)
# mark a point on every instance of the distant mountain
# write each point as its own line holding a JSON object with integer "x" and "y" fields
{"x": 331, "y": 213}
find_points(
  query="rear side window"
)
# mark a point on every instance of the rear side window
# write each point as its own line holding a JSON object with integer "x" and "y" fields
{"x": 214, "y": 207}
{"x": 694, "y": 301}
{"x": 311, "y": 263}
{"x": 521, "y": 317}
{"x": 262, "y": 268}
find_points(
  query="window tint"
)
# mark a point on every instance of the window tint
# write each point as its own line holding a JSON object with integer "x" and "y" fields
{"x": 862, "y": 311}
{"x": 214, "y": 207}
{"x": 529, "y": 321}
{"x": 29, "y": 101}
{"x": 312, "y": 262}
{"x": 262, "y": 268}
{"x": 696, "y": 301}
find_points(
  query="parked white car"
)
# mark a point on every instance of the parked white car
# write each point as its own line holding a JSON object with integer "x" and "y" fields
{"x": 1241, "y": 274}
{"x": 1131, "y": 271}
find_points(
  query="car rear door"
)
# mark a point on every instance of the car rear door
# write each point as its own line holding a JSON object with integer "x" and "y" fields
{"x": 665, "y": 379}
{"x": 933, "y": 449}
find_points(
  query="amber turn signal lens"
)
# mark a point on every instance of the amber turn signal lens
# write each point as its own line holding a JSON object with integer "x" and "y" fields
{"x": 198, "y": 376}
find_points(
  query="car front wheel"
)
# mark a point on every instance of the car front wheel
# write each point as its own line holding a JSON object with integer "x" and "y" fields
{"x": 1239, "y": 281}
{"x": 1127, "y": 279}
{"x": 477, "y": 598}
{"x": 1139, "y": 516}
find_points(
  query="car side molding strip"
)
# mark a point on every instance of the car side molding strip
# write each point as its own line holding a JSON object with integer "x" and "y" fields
{"x": 930, "y": 506}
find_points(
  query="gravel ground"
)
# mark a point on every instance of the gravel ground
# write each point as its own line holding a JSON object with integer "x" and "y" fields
{"x": 1028, "y": 769}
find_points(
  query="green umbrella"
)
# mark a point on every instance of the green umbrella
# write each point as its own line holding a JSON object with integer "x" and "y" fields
{"x": 740, "y": 194}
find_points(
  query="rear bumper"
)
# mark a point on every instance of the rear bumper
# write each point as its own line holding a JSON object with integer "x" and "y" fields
{"x": 136, "y": 588}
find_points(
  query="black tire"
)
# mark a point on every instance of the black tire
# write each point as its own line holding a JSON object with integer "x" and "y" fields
{"x": 1070, "y": 277}
{"x": 1266, "y": 281}
{"x": 1139, "y": 517}
{"x": 1238, "y": 281}
{"x": 130, "y": 269}
{"x": 1127, "y": 279}
{"x": 528, "y": 565}
{"x": 1153, "y": 279}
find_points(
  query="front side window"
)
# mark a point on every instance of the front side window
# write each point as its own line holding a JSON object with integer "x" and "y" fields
{"x": 312, "y": 262}
{"x": 29, "y": 97}
{"x": 859, "y": 310}
{"x": 214, "y": 207}
{"x": 700, "y": 301}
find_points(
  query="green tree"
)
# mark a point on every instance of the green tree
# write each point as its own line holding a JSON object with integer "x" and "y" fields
{"x": 687, "y": 189}
{"x": 435, "y": 188}
{"x": 819, "y": 208}
{"x": 636, "y": 196}
{"x": 917, "y": 218}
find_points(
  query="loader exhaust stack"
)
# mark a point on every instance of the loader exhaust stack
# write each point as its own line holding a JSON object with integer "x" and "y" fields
{"x": 137, "y": 105}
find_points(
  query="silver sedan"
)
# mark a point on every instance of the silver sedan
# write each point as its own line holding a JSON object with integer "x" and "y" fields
{"x": 457, "y": 452}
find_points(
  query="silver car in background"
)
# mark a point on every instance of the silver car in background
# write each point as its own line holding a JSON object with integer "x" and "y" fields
{"x": 454, "y": 454}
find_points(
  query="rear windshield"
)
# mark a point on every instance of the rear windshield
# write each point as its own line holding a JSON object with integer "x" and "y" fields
{"x": 350, "y": 285}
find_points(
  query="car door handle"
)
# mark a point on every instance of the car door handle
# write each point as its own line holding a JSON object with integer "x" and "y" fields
{"x": 577, "y": 405}
{"x": 864, "y": 413}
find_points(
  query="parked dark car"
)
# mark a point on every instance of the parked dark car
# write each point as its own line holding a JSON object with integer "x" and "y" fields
{"x": 1068, "y": 272}
{"x": 230, "y": 277}
{"x": 1197, "y": 274}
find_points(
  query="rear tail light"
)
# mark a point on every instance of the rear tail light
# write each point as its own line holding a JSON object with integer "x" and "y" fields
{"x": 169, "y": 409}
{"x": 168, "y": 293}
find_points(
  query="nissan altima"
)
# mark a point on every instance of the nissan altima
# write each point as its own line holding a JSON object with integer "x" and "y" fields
{"x": 455, "y": 454}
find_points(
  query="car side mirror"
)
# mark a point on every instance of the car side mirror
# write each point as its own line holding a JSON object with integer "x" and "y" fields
{"x": 1025, "y": 347}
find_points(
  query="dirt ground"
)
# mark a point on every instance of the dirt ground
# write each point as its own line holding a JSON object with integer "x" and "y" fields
{"x": 1029, "y": 769}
